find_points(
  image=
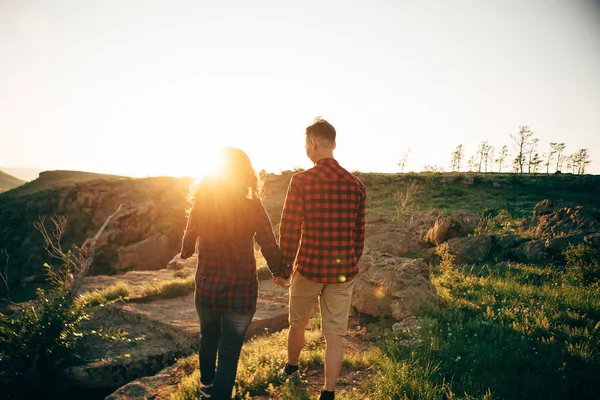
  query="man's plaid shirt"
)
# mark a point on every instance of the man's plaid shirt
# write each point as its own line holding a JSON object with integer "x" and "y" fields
{"x": 226, "y": 278}
{"x": 323, "y": 223}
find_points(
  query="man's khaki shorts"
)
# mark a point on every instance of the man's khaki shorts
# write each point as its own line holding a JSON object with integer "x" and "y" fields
{"x": 334, "y": 301}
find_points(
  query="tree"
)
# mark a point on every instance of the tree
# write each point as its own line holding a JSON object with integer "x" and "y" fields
{"x": 490, "y": 158}
{"x": 532, "y": 147}
{"x": 558, "y": 149}
{"x": 535, "y": 163}
{"x": 549, "y": 157}
{"x": 581, "y": 159}
{"x": 472, "y": 164}
{"x": 457, "y": 156}
{"x": 501, "y": 157}
{"x": 403, "y": 160}
{"x": 521, "y": 142}
{"x": 482, "y": 152}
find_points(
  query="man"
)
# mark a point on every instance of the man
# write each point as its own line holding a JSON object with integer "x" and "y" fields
{"x": 322, "y": 234}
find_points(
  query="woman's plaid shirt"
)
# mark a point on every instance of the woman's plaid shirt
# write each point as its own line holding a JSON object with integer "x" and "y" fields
{"x": 323, "y": 223}
{"x": 226, "y": 278}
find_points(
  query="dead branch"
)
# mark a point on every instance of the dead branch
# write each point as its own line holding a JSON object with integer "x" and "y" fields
{"x": 4, "y": 277}
{"x": 87, "y": 256}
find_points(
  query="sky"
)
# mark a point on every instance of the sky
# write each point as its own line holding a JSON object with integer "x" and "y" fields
{"x": 148, "y": 87}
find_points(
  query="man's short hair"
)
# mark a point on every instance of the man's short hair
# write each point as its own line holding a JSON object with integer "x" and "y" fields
{"x": 322, "y": 129}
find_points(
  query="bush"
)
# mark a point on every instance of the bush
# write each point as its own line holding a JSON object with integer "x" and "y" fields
{"x": 582, "y": 265}
{"x": 36, "y": 341}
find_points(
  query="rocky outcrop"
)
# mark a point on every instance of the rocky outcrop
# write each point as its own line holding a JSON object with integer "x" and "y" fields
{"x": 447, "y": 227}
{"x": 471, "y": 249}
{"x": 387, "y": 285}
{"x": 556, "y": 218}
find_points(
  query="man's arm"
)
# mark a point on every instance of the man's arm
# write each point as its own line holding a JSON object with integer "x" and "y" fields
{"x": 359, "y": 228}
{"x": 290, "y": 227}
{"x": 188, "y": 245}
{"x": 266, "y": 240}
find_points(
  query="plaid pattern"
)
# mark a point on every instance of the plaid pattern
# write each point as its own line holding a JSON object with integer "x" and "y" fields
{"x": 323, "y": 223}
{"x": 226, "y": 278}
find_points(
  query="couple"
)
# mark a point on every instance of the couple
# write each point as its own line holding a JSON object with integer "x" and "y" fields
{"x": 321, "y": 237}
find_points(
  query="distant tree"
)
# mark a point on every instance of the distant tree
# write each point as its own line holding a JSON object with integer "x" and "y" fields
{"x": 457, "y": 156}
{"x": 501, "y": 157}
{"x": 549, "y": 156}
{"x": 581, "y": 159}
{"x": 535, "y": 163}
{"x": 403, "y": 160}
{"x": 568, "y": 163}
{"x": 532, "y": 146}
{"x": 482, "y": 152}
{"x": 433, "y": 168}
{"x": 472, "y": 164}
{"x": 490, "y": 158}
{"x": 521, "y": 142}
{"x": 558, "y": 149}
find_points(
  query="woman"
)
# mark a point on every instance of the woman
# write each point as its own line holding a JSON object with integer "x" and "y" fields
{"x": 226, "y": 217}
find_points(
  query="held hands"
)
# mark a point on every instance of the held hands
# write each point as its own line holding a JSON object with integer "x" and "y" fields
{"x": 282, "y": 282}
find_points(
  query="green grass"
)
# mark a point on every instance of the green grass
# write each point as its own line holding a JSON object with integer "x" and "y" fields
{"x": 119, "y": 290}
{"x": 504, "y": 331}
{"x": 511, "y": 331}
{"x": 168, "y": 289}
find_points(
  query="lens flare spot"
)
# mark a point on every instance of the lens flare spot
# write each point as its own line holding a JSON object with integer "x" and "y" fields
{"x": 378, "y": 292}
{"x": 342, "y": 278}
{"x": 338, "y": 261}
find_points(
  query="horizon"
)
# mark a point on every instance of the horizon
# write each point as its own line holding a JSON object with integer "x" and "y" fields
{"x": 154, "y": 89}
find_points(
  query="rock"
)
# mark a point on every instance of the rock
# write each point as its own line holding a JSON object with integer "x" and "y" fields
{"x": 505, "y": 245}
{"x": 532, "y": 251}
{"x": 177, "y": 263}
{"x": 558, "y": 218}
{"x": 471, "y": 249}
{"x": 151, "y": 253}
{"x": 392, "y": 286}
{"x": 456, "y": 225}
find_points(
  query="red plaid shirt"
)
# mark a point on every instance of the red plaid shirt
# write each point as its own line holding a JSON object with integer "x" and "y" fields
{"x": 323, "y": 223}
{"x": 231, "y": 285}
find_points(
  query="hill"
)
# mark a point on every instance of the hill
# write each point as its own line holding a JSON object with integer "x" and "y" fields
{"x": 8, "y": 182}
{"x": 26, "y": 174}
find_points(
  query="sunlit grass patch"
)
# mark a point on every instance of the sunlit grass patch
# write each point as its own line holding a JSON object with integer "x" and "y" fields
{"x": 516, "y": 331}
{"x": 173, "y": 288}
{"x": 118, "y": 290}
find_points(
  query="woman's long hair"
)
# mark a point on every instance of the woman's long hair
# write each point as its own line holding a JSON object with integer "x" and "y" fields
{"x": 221, "y": 203}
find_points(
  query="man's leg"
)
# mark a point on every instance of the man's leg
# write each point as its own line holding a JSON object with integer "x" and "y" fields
{"x": 334, "y": 354}
{"x": 303, "y": 297}
{"x": 335, "y": 304}
{"x": 295, "y": 344}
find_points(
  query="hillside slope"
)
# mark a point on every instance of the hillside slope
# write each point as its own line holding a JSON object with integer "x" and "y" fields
{"x": 8, "y": 182}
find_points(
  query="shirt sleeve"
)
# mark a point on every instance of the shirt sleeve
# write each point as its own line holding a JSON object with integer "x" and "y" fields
{"x": 190, "y": 237}
{"x": 290, "y": 227}
{"x": 359, "y": 228}
{"x": 266, "y": 240}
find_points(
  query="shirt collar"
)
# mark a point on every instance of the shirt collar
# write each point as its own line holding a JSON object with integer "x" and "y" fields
{"x": 327, "y": 161}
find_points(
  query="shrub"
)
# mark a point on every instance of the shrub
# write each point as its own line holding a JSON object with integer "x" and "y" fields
{"x": 582, "y": 265}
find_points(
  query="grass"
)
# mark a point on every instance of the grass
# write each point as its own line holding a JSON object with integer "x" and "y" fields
{"x": 504, "y": 331}
{"x": 168, "y": 289}
{"x": 119, "y": 290}
{"x": 509, "y": 331}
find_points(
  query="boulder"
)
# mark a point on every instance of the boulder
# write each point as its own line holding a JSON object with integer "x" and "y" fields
{"x": 387, "y": 285}
{"x": 447, "y": 227}
{"x": 471, "y": 249}
{"x": 532, "y": 251}
{"x": 151, "y": 253}
{"x": 558, "y": 218}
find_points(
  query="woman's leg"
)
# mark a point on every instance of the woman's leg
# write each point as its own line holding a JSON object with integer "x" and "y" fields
{"x": 235, "y": 326}
{"x": 210, "y": 335}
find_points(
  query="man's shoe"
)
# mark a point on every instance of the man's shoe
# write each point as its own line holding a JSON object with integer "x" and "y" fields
{"x": 205, "y": 391}
{"x": 294, "y": 377}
